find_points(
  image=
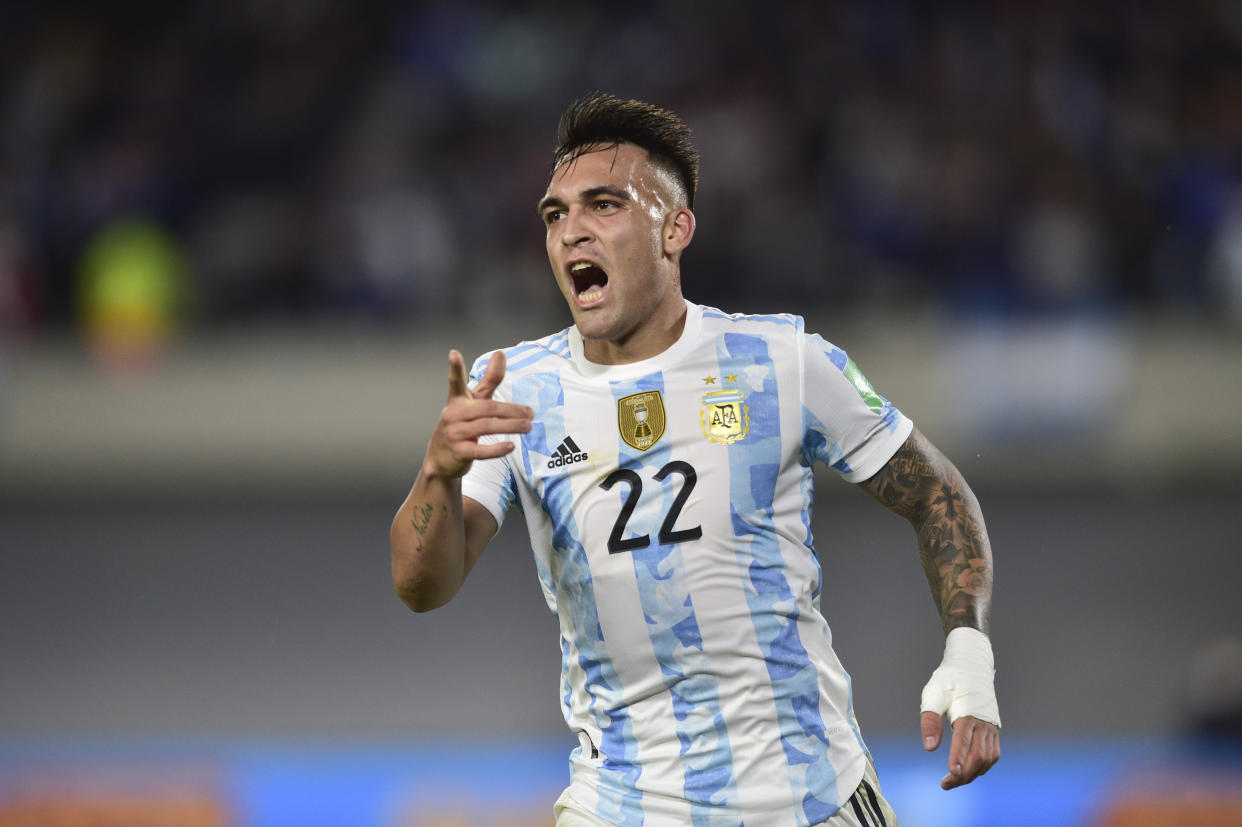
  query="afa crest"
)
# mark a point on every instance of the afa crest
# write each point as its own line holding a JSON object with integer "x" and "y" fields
{"x": 724, "y": 417}
{"x": 641, "y": 419}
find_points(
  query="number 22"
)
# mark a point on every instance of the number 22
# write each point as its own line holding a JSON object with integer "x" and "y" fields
{"x": 667, "y": 533}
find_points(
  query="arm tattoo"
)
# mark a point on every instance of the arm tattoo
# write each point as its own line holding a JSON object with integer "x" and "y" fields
{"x": 420, "y": 521}
{"x": 920, "y": 484}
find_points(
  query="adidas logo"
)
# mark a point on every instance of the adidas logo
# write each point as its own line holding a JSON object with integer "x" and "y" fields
{"x": 567, "y": 452}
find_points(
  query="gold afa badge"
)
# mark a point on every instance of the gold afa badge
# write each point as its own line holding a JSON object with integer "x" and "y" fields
{"x": 641, "y": 419}
{"x": 724, "y": 417}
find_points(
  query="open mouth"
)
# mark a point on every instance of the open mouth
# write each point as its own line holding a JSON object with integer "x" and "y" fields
{"x": 588, "y": 282}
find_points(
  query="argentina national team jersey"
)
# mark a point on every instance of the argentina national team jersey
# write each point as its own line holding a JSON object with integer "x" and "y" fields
{"x": 669, "y": 508}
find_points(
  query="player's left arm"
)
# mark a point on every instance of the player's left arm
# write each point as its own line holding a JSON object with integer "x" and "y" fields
{"x": 922, "y": 485}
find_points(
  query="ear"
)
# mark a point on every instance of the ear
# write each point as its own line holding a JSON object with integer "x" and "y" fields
{"x": 678, "y": 230}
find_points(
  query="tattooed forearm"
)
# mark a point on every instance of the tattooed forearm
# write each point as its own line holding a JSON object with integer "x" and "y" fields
{"x": 421, "y": 521}
{"x": 921, "y": 484}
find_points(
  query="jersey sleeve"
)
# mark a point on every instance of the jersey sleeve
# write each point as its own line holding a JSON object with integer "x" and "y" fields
{"x": 490, "y": 482}
{"x": 847, "y": 425}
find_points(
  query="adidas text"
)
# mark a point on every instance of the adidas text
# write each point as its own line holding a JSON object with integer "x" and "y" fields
{"x": 567, "y": 452}
{"x": 558, "y": 461}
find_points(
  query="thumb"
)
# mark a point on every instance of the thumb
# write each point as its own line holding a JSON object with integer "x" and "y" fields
{"x": 931, "y": 726}
{"x": 493, "y": 374}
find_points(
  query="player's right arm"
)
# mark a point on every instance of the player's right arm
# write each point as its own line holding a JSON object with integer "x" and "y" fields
{"x": 437, "y": 534}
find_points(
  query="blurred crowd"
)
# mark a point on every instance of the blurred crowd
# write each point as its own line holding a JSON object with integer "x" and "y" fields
{"x": 215, "y": 162}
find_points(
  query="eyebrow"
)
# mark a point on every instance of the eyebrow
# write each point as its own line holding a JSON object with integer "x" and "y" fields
{"x": 585, "y": 195}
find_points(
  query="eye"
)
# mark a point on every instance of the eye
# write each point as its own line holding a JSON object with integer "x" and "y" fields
{"x": 552, "y": 216}
{"x": 604, "y": 205}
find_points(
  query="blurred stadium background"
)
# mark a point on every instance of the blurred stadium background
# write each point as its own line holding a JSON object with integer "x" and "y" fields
{"x": 237, "y": 240}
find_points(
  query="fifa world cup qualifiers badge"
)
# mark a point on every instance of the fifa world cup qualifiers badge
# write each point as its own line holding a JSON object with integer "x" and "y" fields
{"x": 641, "y": 419}
{"x": 724, "y": 417}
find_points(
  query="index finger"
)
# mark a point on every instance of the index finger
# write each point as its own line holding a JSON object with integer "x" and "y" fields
{"x": 959, "y": 747}
{"x": 457, "y": 375}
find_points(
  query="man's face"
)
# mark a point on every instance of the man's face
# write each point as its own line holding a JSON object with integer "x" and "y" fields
{"x": 605, "y": 213}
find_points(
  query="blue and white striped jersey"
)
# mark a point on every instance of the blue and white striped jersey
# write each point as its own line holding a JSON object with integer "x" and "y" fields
{"x": 669, "y": 509}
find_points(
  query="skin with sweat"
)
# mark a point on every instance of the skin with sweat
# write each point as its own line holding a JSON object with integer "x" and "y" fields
{"x": 616, "y": 227}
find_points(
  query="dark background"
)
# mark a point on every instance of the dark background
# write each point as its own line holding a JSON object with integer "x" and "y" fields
{"x": 237, "y": 240}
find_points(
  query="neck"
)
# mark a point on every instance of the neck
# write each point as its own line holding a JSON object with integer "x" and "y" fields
{"x": 655, "y": 336}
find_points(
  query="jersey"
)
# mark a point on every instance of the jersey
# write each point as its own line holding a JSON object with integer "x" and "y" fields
{"x": 668, "y": 503}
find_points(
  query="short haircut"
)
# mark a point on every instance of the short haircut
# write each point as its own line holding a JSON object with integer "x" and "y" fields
{"x": 604, "y": 119}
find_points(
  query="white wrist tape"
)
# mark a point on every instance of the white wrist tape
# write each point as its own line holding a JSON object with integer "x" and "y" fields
{"x": 963, "y": 683}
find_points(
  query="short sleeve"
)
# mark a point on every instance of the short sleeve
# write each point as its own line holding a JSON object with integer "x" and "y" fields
{"x": 490, "y": 483}
{"x": 847, "y": 425}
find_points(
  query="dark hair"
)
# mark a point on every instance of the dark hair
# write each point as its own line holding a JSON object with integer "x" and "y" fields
{"x": 604, "y": 119}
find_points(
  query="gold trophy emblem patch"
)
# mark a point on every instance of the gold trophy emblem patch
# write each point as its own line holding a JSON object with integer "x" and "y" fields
{"x": 724, "y": 418}
{"x": 641, "y": 419}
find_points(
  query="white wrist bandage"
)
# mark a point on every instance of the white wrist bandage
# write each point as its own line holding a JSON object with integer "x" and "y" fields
{"x": 963, "y": 683}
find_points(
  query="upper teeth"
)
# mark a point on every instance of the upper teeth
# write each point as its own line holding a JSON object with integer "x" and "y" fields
{"x": 582, "y": 265}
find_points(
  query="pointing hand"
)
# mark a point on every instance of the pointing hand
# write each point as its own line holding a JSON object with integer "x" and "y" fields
{"x": 468, "y": 416}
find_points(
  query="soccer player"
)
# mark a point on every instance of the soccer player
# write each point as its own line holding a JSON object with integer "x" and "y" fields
{"x": 661, "y": 452}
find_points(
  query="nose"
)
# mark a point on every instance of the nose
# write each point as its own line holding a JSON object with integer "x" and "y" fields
{"x": 574, "y": 230}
